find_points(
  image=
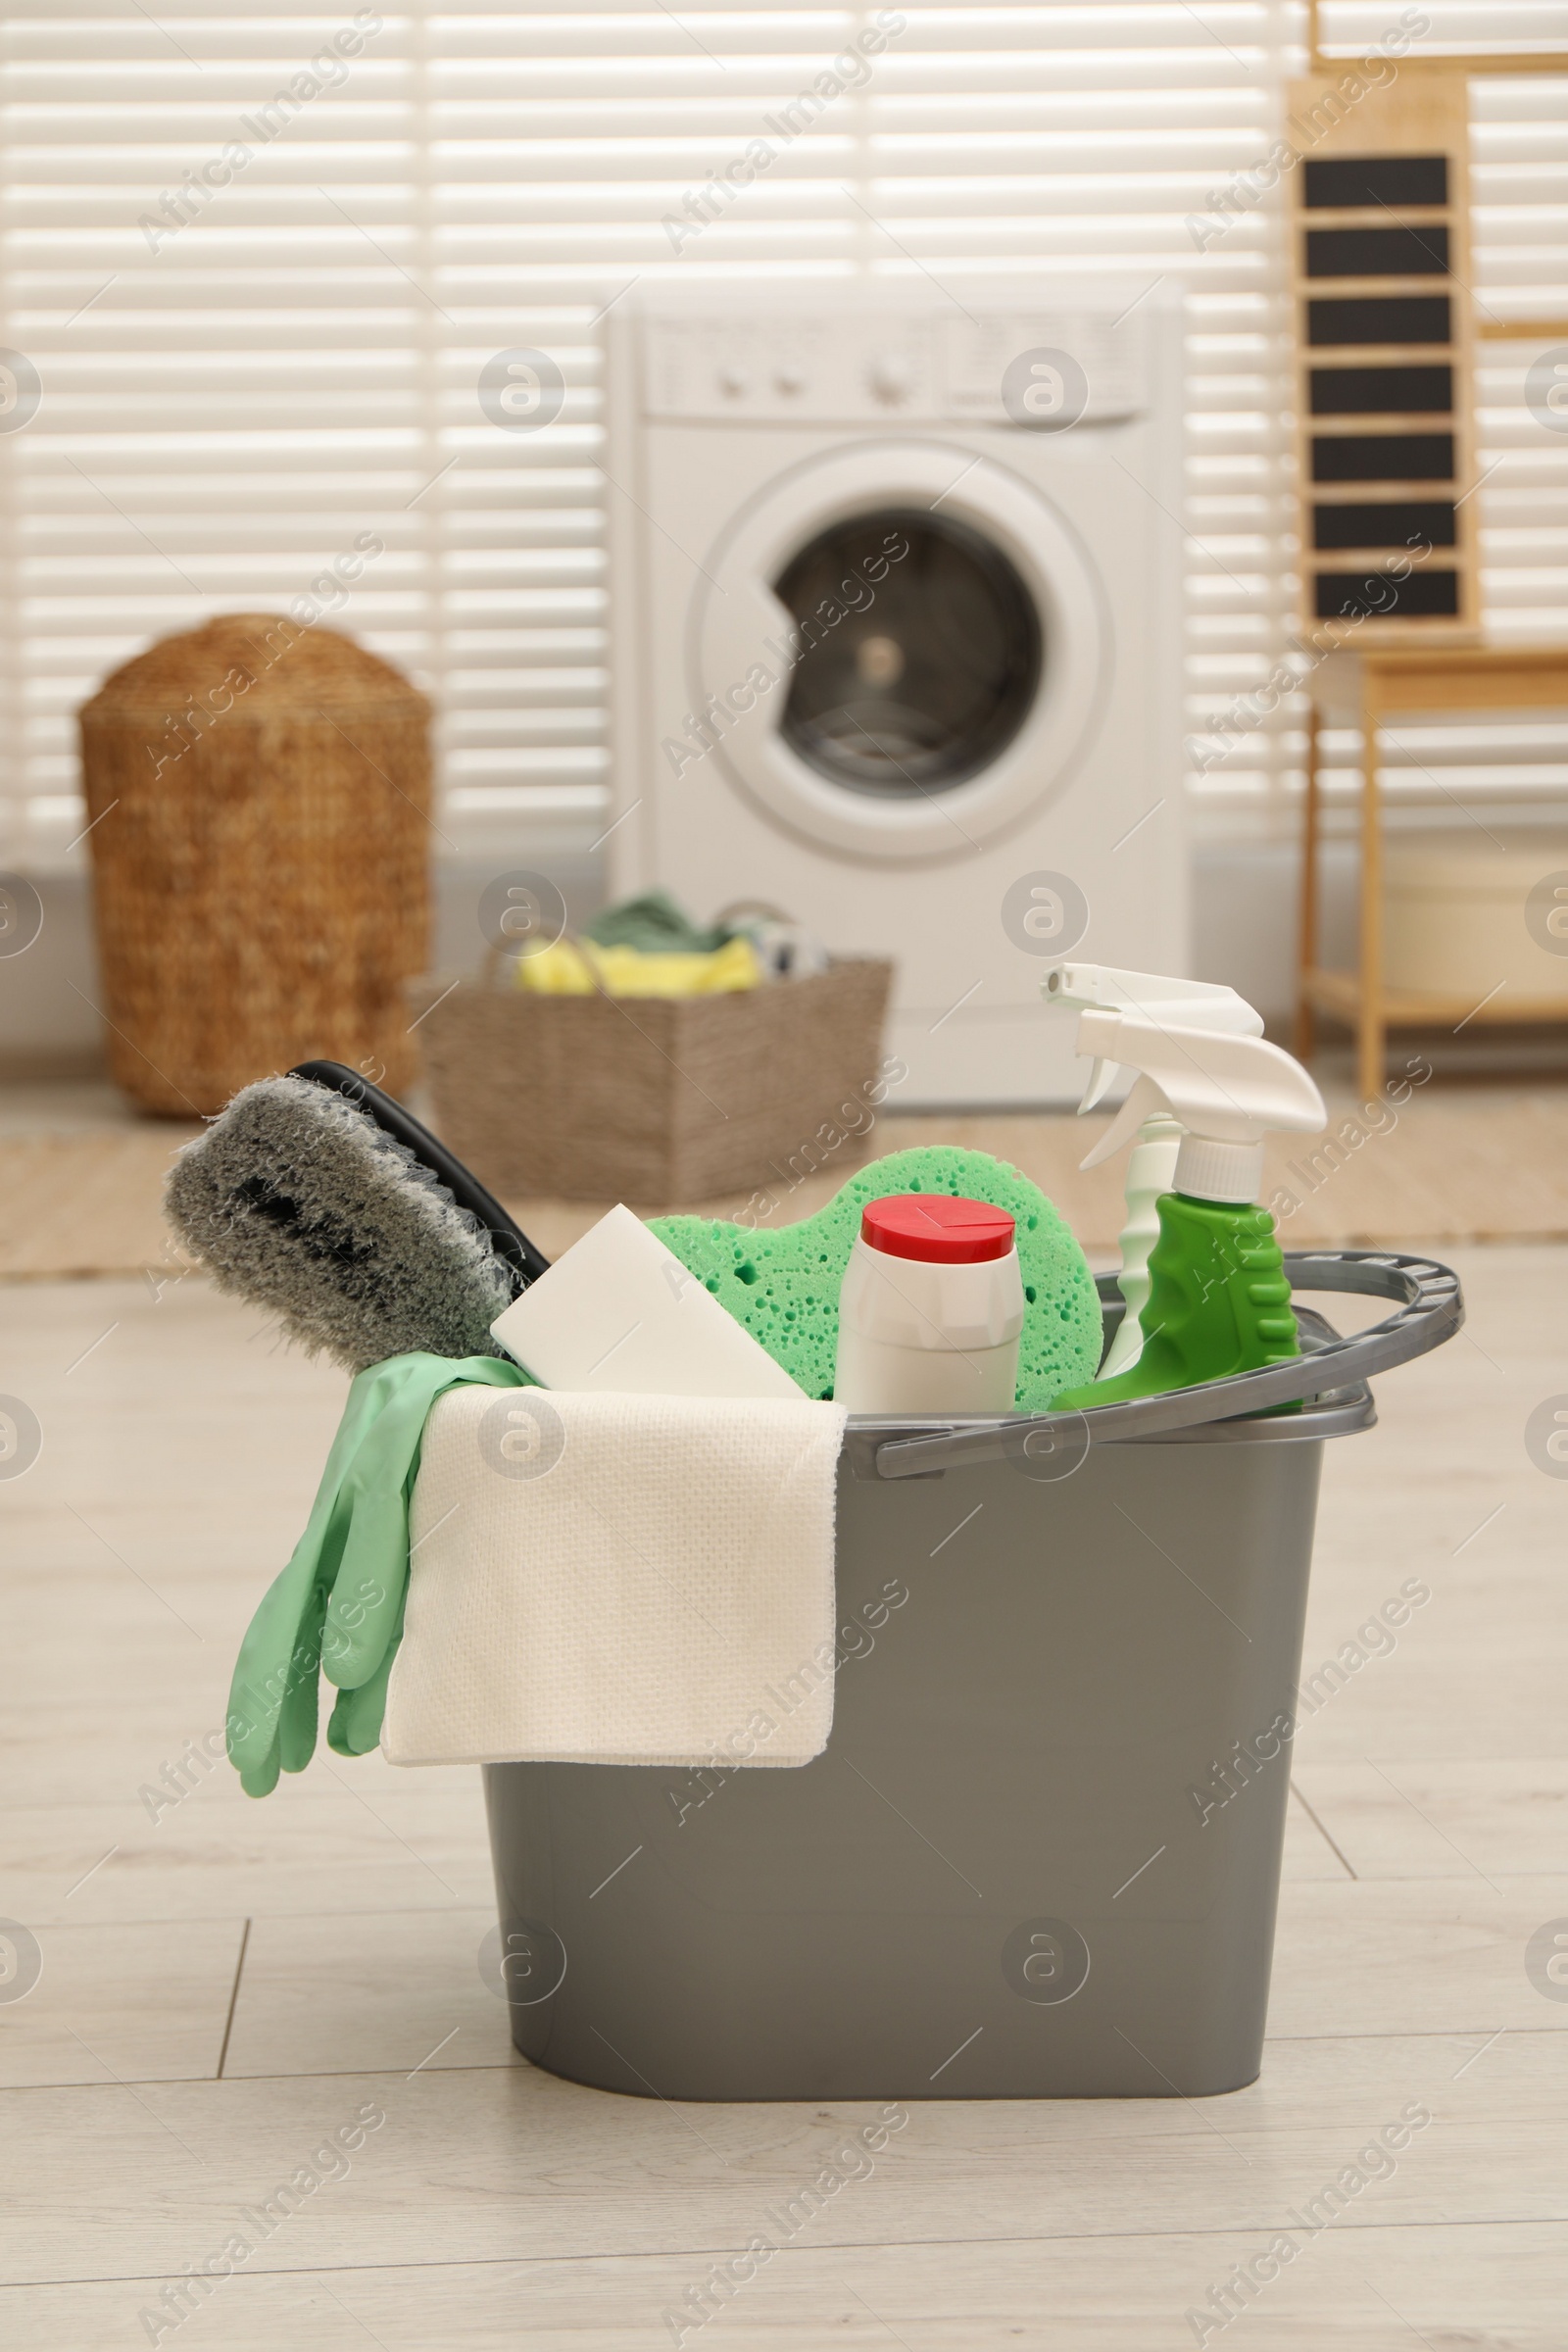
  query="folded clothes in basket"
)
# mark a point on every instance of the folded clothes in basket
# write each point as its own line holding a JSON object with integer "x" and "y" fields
{"x": 576, "y": 967}
{"x": 619, "y": 1580}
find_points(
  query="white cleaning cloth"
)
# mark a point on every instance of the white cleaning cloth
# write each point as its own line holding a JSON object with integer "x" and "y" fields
{"x": 619, "y": 1580}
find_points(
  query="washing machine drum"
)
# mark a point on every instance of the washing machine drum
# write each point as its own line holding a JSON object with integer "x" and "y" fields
{"x": 899, "y": 649}
{"x": 929, "y": 675}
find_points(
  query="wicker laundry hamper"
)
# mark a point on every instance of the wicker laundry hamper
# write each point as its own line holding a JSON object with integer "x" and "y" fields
{"x": 259, "y": 796}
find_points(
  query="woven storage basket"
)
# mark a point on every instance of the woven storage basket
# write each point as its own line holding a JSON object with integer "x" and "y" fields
{"x": 259, "y": 794}
{"x": 650, "y": 1100}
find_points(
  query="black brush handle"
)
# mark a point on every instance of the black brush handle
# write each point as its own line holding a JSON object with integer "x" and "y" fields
{"x": 506, "y": 1236}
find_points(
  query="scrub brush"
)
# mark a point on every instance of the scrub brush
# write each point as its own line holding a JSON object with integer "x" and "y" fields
{"x": 321, "y": 1199}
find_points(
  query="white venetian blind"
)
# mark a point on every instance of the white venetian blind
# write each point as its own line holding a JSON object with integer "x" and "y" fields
{"x": 239, "y": 384}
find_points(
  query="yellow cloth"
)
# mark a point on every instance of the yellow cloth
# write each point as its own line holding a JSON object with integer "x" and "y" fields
{"x": 575, "y": 967}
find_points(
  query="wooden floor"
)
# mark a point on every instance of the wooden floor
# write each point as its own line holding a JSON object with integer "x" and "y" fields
{"x": 1455, "y": 1161}
{"x": 228, "y": 1984}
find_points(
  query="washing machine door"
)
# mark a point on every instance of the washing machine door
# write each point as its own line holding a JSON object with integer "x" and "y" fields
{"x": 899, "y": 647}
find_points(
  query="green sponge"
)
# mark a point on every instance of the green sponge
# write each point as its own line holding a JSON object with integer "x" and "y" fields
{"x": 783, "y": 1284}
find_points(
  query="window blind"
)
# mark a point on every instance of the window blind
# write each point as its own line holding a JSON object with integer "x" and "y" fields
{"x": 254, "y": 263}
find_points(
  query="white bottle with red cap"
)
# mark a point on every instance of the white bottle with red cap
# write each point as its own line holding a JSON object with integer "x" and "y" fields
{"x": 930, "y": 1310}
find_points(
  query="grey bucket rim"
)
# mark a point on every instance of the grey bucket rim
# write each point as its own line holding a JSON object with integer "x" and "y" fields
{"x": 1331, "y": 1374}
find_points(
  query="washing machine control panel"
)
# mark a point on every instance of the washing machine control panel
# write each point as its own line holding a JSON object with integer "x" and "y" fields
{"x": 1043, "y": 370}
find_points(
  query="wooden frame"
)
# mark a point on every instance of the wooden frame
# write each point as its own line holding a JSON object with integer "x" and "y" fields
{"x": 1421, "y": 108}
{"x": 1369, "y": 688}
{"x": 1413, "y": 123}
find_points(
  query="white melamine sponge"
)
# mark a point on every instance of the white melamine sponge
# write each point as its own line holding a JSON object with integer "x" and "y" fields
{"x": 620, "y": 1312}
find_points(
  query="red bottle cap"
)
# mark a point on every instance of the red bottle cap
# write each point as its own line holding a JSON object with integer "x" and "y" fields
{"x": 936, "y": 1227}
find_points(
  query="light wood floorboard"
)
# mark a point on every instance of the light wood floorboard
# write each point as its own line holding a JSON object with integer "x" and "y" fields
{"x": 497, "y": 2207}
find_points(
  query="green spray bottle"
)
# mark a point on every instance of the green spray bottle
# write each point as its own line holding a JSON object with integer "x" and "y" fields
{"x": 1151, "y": 1165}
{"x": 1219, "y": 1300}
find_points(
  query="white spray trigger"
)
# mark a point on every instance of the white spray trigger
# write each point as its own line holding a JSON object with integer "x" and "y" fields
{"x": 1152, "y": 999}
{"x": 1146, "y": 997}
{"x": 1143, "y": 1102}
{"x": 1228, "y": 1092}
{"x": 1152, "y": 1027}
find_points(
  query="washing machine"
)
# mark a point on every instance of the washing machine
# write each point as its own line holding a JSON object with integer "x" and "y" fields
{"x": 896, "y": 625}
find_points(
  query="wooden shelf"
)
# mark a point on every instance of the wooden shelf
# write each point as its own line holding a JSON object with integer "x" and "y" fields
{"x": 1376, "y": 215}
{"x": 1382, "y": 492}
{"x": 1340, "y": 994}
{"x": 1371, "y": 560}
{"x": 1410, "y": 662}
{"x": 1373, "y": 425}
{"x": 1370, "y": 288}
{"x": 1522, "y": 331}
{"x": 1468, "y": 62}
{"x": 1443, "y": 638}
{"x": 1369, "y": 686}
{"x": 1474, "y": 676}
{"x": 1378, "y": 355}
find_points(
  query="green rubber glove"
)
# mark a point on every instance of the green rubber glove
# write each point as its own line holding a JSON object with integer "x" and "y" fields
{"x": 338, "y": 1605}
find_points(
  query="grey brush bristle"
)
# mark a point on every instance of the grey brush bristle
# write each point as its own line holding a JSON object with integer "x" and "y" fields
{"x": 299, "y": 1202}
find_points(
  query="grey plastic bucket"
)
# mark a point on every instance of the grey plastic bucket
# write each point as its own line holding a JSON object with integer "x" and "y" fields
{"x": 1040, "y": 1856}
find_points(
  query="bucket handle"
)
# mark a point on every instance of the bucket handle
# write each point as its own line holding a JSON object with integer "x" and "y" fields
{"x": 1429, "y": 1309}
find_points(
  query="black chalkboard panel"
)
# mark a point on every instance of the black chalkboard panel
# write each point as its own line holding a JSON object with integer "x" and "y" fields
{"x": 1364, "y": 179}
{"x": 1378, "y": 252}
{"x": 1378, "y": 319}
{"x": 1381, "y": 391}
{"x": 1383, "y": 457}
{"x": 1391, "y": 523}
{"x": 1424, "y": 596}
